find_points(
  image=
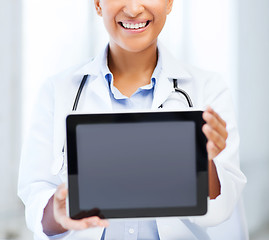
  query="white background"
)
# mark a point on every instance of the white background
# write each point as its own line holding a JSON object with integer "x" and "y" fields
{"x": 42, "y": 37}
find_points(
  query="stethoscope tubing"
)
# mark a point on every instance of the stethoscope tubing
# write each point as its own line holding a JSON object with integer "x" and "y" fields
{"x": 81, "y": 86}
{"x": 182, "y": 92}
{"x": 85, "y": 77}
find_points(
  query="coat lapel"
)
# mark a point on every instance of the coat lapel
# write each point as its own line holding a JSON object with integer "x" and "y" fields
{"x": 96, "y": 90}
{"x": 98, "y": 95}
{"x": 162, "y": 91}
{"x": 170, "y": 69}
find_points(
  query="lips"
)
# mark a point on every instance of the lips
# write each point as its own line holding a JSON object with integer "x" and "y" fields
{"x": 137, "y": 25}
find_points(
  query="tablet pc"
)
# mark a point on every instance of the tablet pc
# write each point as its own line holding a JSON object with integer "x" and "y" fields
{"x": 144, "y": 164}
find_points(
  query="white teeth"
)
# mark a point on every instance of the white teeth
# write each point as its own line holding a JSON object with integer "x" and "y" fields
{"x": 134, "y": 26}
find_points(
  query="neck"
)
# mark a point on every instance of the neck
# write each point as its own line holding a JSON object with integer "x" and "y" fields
{"x": 122, "y": 62}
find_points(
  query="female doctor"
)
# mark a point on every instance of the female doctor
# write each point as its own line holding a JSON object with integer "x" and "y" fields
{"x": 133, "y": 72}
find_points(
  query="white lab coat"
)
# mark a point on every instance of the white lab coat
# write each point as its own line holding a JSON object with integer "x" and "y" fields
{"x": 42, "y": 166}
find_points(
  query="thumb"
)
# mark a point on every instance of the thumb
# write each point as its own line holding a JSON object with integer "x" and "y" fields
{"x": 61, "y": 192}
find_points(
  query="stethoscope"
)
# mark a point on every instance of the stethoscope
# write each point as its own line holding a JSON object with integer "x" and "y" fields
{"x": 85, "y": 77}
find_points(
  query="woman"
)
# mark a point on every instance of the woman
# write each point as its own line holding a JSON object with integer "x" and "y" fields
{"x": 133, "y": 72}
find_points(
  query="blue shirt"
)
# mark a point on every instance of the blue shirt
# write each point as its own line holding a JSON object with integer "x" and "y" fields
{"x": 140, "y": 100}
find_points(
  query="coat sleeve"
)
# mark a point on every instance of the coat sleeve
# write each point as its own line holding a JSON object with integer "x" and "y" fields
{"x": 36, "y": 184}
{"x": 232, "y": 180}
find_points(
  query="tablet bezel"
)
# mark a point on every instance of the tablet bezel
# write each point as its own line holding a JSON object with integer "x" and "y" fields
{"x": 162, "y": 116}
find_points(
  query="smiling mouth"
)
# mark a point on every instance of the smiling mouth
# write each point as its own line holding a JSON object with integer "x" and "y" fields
{"x": 134, "y": 26}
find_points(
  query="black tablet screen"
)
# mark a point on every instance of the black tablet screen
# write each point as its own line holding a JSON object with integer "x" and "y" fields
{"x": 131, "y": 165}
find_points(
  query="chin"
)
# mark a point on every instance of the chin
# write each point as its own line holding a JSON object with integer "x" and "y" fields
{"x": 138, "y": 46}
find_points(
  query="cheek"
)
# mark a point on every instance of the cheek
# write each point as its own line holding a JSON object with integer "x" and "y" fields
{"x": 109, "y": 22}
{"x": 159, "y": 21}
{"x": 159, "y": 13}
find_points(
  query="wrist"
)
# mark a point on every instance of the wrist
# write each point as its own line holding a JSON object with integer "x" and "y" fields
{"x": 213, "y": 180}
{"x": 50, "y": 226}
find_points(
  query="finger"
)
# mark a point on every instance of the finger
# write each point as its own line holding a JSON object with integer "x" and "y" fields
{"x": 212, "y": 150}
{"x": 104, "y": 223}
{"x": 61, "y": 193}
{"x": 81, "y": 224}
{"x": 71, "y": 224}
{"x": 214, "y": 136}
{"x": 96, "y": 221}
{"x": 62, "y": 186}
{"x": 215, "y": 124}
{"x": 217, "y": 116}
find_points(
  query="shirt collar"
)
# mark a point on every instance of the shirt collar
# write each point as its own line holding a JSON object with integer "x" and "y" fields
{"x": 106, "y": 73}
{"x": 158, "y": 68}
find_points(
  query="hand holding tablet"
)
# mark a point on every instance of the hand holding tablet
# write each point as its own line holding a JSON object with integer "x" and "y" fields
{"x": 59, "y": 202}
{"x": 125, "y": 165}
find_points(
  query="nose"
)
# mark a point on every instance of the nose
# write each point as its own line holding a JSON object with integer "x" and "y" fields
{"x": 133, "y": 8}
